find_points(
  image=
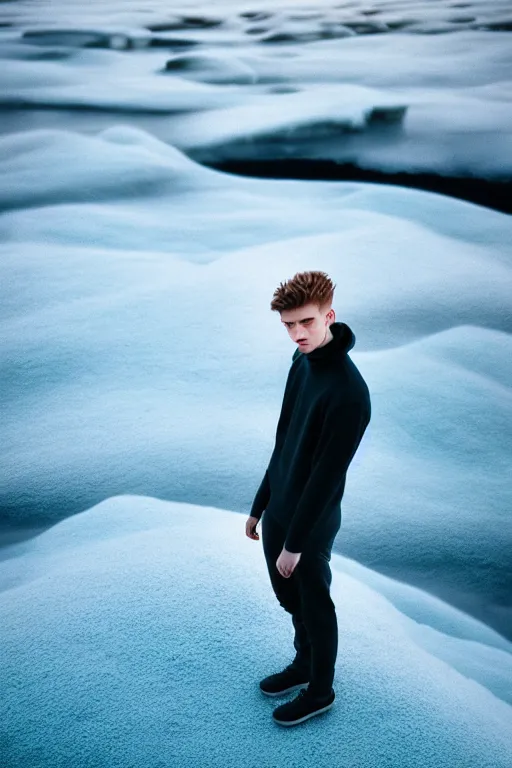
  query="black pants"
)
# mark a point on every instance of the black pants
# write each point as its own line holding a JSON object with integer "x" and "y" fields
{"x": 306, "y": 596}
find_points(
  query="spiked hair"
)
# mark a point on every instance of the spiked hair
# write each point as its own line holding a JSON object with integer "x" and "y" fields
{"x": 304, "y": 288}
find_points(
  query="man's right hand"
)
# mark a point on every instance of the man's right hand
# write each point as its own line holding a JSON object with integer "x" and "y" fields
{"x": 250, "y": 528}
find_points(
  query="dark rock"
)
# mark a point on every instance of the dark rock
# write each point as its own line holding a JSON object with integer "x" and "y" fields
{"x": 256, "y": 15}
{"x": 386, "y": 116}
{"x": 172, "y": 42}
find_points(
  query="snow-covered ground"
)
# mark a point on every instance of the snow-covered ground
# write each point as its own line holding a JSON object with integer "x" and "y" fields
{"x": 139, "y": 354}
{"x": 136, "y": 633}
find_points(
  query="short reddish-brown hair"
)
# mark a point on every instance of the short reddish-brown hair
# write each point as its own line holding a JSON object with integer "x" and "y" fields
{"x": 304, "y": 288}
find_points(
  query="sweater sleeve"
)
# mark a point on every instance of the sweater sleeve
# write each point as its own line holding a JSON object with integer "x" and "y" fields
{"x": 342, "y": 428}
{"x": 262, "y": 498}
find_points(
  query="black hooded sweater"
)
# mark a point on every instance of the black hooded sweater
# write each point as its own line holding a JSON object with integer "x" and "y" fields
{"x": 326, "y": 409}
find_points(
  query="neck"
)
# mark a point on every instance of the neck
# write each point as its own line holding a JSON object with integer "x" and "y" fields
{"x": 327, "y": 338}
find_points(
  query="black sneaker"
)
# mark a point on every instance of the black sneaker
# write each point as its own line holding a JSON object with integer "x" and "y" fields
{"x": 302, "y": 707}
{"x": 283, "y": 682}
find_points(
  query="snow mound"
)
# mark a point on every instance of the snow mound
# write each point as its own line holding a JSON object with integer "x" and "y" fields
{"x": 136, "y": 633}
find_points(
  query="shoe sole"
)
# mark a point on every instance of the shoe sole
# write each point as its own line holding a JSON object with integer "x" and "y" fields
{"x": 285, "y": 690}
{"x": 306, "y": 717}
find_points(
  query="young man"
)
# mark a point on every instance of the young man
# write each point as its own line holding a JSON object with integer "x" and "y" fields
{"x": 325, "y": 411}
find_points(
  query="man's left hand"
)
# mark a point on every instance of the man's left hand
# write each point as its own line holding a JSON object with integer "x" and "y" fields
{"x": 286, "y": 562}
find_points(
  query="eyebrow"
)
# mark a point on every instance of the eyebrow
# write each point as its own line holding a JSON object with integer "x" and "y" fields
{"x": 302, "y": 320}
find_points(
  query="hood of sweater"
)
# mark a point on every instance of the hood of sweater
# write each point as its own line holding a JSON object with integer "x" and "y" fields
{"x": 342, "y": 342}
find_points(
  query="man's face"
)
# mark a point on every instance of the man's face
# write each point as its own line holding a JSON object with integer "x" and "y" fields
{"x": 306, "y": 326}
